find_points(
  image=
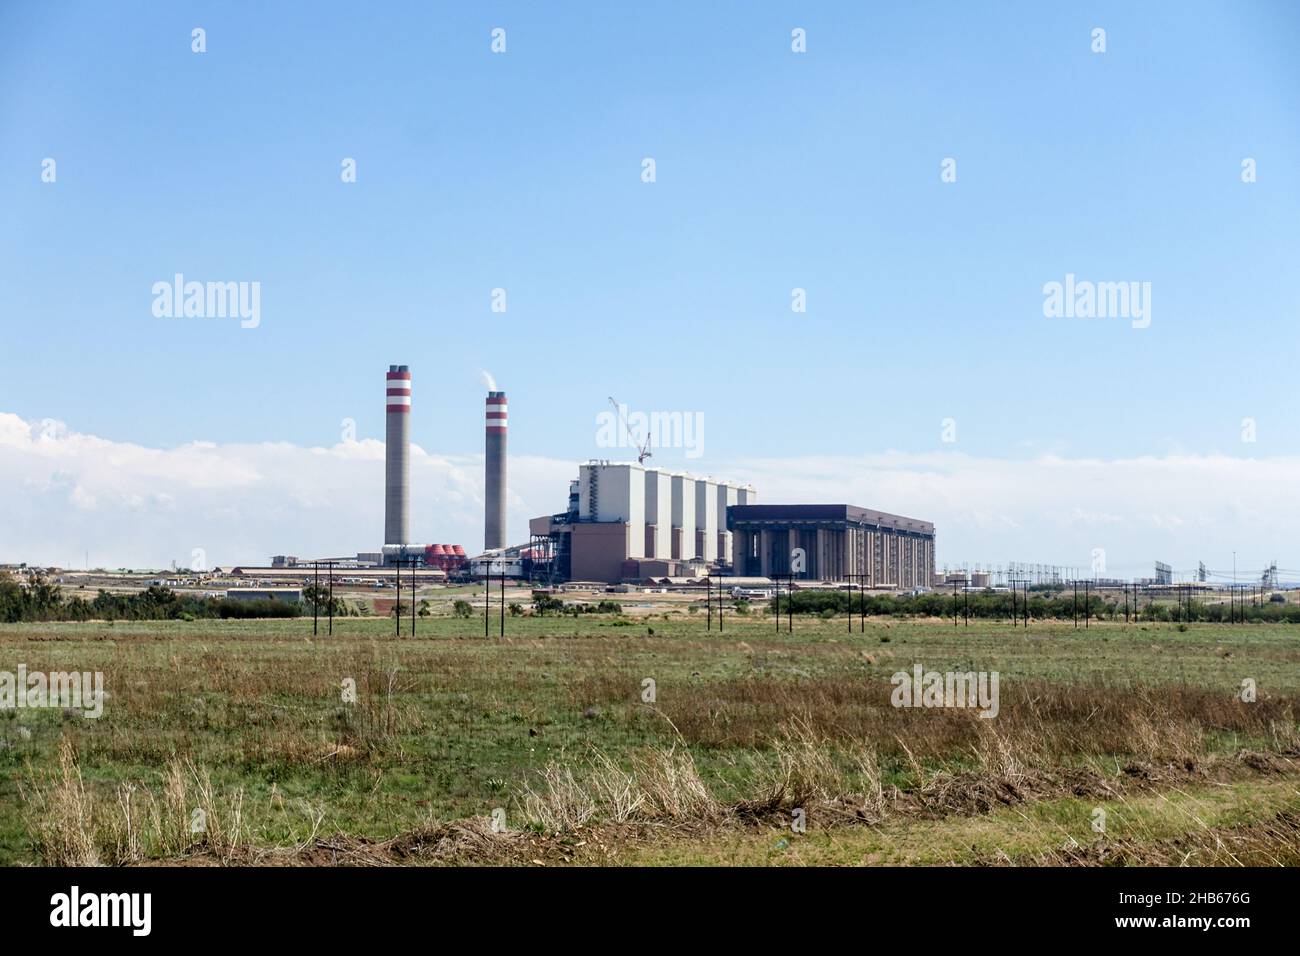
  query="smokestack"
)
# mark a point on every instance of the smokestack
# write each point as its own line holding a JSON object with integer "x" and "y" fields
{"x": 397, "y": 456}
{"x": 494, "y": 525}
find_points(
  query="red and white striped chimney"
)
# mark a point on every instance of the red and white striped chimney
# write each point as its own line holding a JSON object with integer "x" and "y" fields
{"x": 494, "y": 485}
{"x": 397, "y": 455}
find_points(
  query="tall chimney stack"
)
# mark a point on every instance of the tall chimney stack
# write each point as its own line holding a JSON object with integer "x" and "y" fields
{"x": 494, "y": 525}
{"x": 397, "y": 456}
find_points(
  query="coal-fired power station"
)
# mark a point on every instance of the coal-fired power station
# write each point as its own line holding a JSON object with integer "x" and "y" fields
{"x": 397, "y": 456}
{"x": 628, "y": 524}
{"x": 494, "y": 496}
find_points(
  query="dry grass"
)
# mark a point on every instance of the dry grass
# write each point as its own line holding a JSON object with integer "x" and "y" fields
{"x": 70, "y": 827}
{"x": 1274, "y": 841}
{"x": 1060, "y": 719}
{"x": 844, "y": 780}
{"x": 663, "y": 785}
{"x": 442, "y": 729}
{"x": 61, "y": 815}
{"x": 560, "y": 803}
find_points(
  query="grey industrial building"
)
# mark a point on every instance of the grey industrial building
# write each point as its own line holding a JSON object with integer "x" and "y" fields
{"x": 840, "y": 543}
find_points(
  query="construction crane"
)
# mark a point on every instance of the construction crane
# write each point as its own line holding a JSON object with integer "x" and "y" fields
{"x": 642, "y": 450}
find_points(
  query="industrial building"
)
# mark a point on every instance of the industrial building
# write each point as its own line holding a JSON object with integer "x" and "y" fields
{"x": 288, "y": 595}
{"x": 839, "y": 542}
{"x": 626, "y": 521}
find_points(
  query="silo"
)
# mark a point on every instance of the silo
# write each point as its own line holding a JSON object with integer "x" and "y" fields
{"x": 683, "y": 542}
{"x": 706, "y": 519}
{"x": 658, "y": 514}
{"x": 728, "y": 494}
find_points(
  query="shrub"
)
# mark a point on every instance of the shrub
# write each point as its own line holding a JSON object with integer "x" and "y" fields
{"x": 545, "y": 604}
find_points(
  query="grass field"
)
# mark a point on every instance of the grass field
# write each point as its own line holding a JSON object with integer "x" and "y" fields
{"x": 1141, "y": 727}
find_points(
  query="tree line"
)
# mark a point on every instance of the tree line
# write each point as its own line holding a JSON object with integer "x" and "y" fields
{"x": 41, "y": 600}
{"x": 1042, "y": 605}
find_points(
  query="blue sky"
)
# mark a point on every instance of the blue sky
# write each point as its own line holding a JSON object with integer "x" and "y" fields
{"x": 774, "y": 171}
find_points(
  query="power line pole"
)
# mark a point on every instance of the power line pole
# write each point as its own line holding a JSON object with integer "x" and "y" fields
{"x": 862, "y": 602}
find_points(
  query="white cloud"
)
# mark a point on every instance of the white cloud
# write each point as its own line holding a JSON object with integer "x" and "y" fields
{"x": 1049, "y": 509}
{"x": 63, "y": 493}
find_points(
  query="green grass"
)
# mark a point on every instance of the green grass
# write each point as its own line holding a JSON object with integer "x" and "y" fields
{"x": 469, "y": 719}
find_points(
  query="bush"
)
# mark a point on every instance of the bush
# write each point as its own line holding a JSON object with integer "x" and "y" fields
{"x": 545, "y": 604}
{"x": 240, "y": 610}
{"x": 462, "y": 608}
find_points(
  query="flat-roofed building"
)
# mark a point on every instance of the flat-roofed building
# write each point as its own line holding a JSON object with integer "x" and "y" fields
{"x": 839, "y": 543}
{"x": 621, "y": 514}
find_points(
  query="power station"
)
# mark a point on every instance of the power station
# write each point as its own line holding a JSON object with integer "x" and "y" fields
{"x": 626, "y": 522}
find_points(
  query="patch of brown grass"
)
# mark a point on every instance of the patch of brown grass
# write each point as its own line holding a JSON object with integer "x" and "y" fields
{"x": 70, "y": 827}
{"x": 1148, "y": 722}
